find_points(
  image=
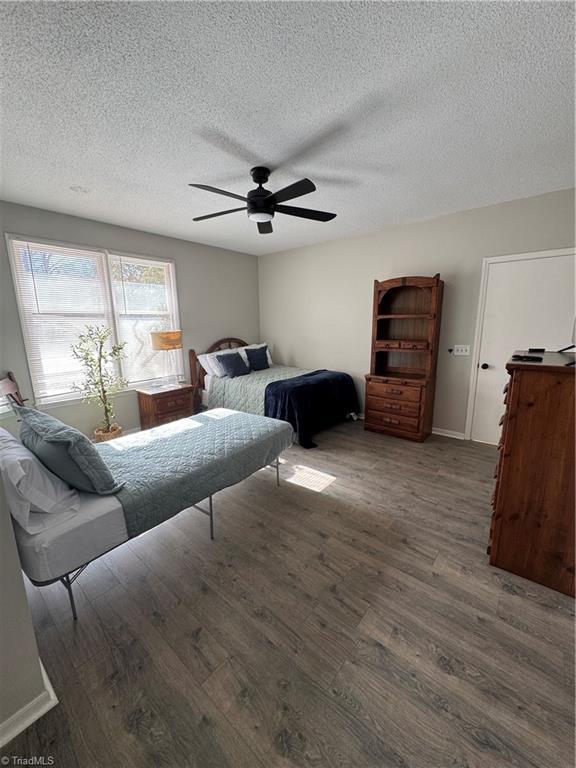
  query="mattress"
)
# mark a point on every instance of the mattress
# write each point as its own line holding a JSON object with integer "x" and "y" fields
{"x": 98, "y": 526}
{"x": 246, "y": 393}
{"x": 206, "y": 391}
{"x": 174, "y": 466}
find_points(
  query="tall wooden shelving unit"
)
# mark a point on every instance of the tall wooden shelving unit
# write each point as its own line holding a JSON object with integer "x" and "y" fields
{"x": 405, "y": 331}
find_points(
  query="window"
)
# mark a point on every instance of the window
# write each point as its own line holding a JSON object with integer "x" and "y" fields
{"x": 62, "y": 289}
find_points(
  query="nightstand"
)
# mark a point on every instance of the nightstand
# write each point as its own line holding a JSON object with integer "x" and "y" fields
{"x": 159, "y": 405}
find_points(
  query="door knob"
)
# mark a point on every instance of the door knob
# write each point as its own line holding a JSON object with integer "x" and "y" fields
{"x": 484, "y": 366}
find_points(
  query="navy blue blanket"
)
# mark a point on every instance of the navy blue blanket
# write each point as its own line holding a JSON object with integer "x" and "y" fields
{"x": 311, "y": 402}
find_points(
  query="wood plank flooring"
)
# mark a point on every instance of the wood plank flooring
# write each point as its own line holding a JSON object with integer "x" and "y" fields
{"x": 347, "y": 619}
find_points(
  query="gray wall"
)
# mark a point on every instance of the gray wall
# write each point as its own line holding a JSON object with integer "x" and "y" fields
{"x": 316, "y": 301}
{"x": 217, "y": 295}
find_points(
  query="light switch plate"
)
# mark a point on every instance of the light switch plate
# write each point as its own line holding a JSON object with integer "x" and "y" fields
{"x": 461, "y": 349}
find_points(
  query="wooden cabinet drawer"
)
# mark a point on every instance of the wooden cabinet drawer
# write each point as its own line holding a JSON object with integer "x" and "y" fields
{"x": 173, "y": 403}
{"x": 393, "y": 421}
{"x": 392, "y": 406}
{"x": 394, "y": 391}
{"x": 387, "y": 345}
{"x": 416, "y": 345}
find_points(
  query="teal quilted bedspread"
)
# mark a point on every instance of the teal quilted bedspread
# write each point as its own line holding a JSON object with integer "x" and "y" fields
{"x": 246, "y": 393}
{"x": 169, "y": 468}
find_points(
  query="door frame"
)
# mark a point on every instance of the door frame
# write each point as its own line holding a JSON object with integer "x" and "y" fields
{"x": 486, "y": 264}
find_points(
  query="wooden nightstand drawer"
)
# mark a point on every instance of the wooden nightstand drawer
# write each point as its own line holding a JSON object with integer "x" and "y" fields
{"x": 162, "y": 405}
{"x": 168, "y": 403}
{"x": 173, "y": 416}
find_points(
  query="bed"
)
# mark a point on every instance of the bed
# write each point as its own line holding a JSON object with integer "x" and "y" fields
{"x": 310, "y": 400}
{"x": 163, "y": 470}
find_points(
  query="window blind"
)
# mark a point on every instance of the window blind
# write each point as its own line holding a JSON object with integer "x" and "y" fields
{"x": 62, "y": 289}
{"x": 144, "y": 294}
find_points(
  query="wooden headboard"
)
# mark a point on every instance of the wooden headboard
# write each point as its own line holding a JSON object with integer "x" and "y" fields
{"x": 9, "y": 389}
{"x": 197, "y": 373}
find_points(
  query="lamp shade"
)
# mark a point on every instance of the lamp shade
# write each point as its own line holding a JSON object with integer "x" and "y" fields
{"x": 162, "y": 340}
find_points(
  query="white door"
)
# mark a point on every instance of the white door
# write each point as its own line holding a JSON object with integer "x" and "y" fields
{"x": 529, "y": 303}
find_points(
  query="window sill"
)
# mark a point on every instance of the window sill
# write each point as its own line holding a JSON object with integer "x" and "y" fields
{"x": 67, "y": 400}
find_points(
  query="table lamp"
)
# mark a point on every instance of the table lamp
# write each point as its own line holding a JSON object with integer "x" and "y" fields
{"x": 167, "y": 341}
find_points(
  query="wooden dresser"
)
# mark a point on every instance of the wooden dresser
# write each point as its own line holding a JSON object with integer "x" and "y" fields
{"x": 159, "y": 405}
{"x": 405, "y": 331}
{"x": 532, "y": 532}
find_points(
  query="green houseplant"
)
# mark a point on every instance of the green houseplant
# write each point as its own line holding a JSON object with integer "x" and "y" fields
{"x": 101, "y": 381}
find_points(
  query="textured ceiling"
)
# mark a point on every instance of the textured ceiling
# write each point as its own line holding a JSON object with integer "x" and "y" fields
{"x": 397, "y": 111}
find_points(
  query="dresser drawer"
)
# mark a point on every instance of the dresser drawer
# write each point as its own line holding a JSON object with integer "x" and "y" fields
{"x": 392, "y": 406}
{"x": 173, "y": 403}
{"x": 394, "y": 391}
{"x": 404, "y": 423}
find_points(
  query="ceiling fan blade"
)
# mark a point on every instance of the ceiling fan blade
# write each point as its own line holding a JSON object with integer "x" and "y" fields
{"x": 299, "y": 188}
{"x": 265, "y": 227}
{"x": 218, "y": 191}
{"x": 305, "y": 213}
{"x": 220, "y": 213}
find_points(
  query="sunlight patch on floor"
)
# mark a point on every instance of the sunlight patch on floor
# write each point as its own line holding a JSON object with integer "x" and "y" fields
{"x": 309, "y": 478}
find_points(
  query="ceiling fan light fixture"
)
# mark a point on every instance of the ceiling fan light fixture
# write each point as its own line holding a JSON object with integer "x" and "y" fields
{"x": 260, "y": 216}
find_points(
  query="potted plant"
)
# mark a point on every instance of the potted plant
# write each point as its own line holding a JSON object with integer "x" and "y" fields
{"x": 101, "y": 381}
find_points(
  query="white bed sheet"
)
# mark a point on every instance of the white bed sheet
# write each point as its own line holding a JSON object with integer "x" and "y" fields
{"x": 98, "y": 526}
{"x": 206, "y": 391}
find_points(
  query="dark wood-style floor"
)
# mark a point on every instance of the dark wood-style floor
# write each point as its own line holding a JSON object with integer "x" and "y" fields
{"x": 347, "y": 618}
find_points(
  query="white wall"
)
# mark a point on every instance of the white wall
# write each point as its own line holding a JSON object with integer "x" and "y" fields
{"x": 217, "y": 295}
{"x": 316, "y": 301}
{"x": 25, "y": 693}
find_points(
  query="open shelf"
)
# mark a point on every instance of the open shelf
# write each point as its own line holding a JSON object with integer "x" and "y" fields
{"x": 402, "y": 361}
{"x": 416, "y": 329}
{"x": 405, "y": 299}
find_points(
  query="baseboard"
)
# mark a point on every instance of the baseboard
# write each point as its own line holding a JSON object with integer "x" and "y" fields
{"x": 22, "y": 719}
{"x": 449, "y": 433}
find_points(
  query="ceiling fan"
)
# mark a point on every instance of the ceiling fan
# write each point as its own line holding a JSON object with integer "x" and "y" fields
{"x": 262, "y": 204}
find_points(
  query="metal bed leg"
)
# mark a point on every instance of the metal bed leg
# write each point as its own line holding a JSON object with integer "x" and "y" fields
{"x": 68, "y": 584}
{"x": 211, "y": 515}
{"x": 278, "y": 470}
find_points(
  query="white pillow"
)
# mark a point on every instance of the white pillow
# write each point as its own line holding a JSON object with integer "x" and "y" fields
{"x": 255, "y": 346}
{"x": 206, "y": 363}
{"x": 29, "y": 486}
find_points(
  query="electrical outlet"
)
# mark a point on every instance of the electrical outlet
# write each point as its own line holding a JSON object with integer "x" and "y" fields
{"x": 461, "y": 349}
